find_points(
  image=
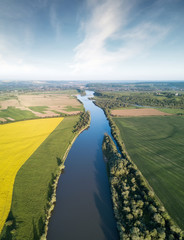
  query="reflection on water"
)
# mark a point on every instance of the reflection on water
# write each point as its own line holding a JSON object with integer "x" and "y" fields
{"x": 83, "y": 207}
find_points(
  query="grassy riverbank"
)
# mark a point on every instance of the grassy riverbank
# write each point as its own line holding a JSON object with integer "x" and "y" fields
{"x": 33, "y": 184}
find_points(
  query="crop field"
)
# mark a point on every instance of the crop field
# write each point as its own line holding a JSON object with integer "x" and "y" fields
{"x": 18, "y": 141}
{"x": 21, "y": 106}
{"x": 156, "y": 145}
{"x": 172, "y": 111}
{"x": 39, "y": 109}
{"x": 15, "y": 114}
{"x": 138, "y": 112}
{"x": 30, "y": 192}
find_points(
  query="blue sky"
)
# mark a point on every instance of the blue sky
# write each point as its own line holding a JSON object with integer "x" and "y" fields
{"x": 92, "y": 39}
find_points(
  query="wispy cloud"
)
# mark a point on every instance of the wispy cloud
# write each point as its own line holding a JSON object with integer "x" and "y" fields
{"x": 109, "y": 20}
{"x": 115, "y": 39}
{"x": 55, "y": 21}
{"x": 105, "y": 20}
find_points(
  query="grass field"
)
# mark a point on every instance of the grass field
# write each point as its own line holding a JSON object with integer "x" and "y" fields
{"x": 71, "y": 109}
{"x": 30, "y": 194}
{"x": 40, "y": 109}
{"x": 18, "y": 141}
{"x": 16, "y": 114}
{"x": 156, "y": 146}
{"x": 6, "y": 96}
{"x": 172, "y": 110}
{"x": 26, "y": 105}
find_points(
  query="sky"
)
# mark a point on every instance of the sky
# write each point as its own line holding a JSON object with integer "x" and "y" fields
{"x": 92, "y": 40}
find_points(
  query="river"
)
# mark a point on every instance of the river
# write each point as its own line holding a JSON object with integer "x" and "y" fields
{"x": 83, "y": 209}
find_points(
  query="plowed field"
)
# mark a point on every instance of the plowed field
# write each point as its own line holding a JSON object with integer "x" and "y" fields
{"x": 138, "y": 112}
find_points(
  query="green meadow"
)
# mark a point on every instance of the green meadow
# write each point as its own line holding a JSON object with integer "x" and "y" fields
{"x": 71, "y": 108}
{"x": 40, "y": 109}
{"x": 156, "y": 145}
{"x": 172, "y": 111}
{"x": 16, "y": 114}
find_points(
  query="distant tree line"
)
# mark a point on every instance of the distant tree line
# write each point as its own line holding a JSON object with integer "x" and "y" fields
{"x": 139, "y": 86}
{"x": 116, "y": 100}
{"x": 138, "y": 213}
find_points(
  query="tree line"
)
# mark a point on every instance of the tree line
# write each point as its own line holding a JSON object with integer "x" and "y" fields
{"x": 83, "y": 121}
{"x": 116, "y": 100}
{"x": 138, "y": 212}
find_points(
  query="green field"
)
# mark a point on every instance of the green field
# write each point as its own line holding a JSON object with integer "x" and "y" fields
{"x": 16, "y": 114}
{"x": 156, "y": 146}
{"x": 172, "y": 111}
{"x": 40, "y": 109}
{"x": 71, "y": 109}
{"x": 30, "y": 195}
{"x": 5, "y": 96}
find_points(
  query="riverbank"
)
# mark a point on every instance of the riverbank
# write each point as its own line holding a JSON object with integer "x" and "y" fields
{"x": 138, "y": 212}
{"x": 61, "y": 168}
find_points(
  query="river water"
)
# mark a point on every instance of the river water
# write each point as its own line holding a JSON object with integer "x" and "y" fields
{"x": 83, "y": 209}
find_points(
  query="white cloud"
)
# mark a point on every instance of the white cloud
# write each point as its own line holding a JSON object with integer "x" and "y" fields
{"x": 15, "y": 69}
{"x": 104, "y": 22}
{"x": 109, "y": 20}
{"x": 132, "y": 28}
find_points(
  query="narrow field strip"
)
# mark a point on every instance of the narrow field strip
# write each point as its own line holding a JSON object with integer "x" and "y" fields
{"x": 18, "y": 141}
{"x": 138, "y": 112}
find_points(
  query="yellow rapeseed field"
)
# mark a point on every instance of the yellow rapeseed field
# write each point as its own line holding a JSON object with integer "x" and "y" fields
{"x": 18, "y": 141}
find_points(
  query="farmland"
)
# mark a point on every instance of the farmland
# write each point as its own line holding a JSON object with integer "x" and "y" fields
{"x": 138, "y": 213}
{"x": 31, "y": 188}
{"x": 26, "y": 105}
{"x": 156, "y": 146}
{"x": 179, "y": 111}
{"x": 138, "y": 112}
{"x": 18, "y": 141}
{"x": 154, "y": 143}
{"x": 15, "y": 114}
